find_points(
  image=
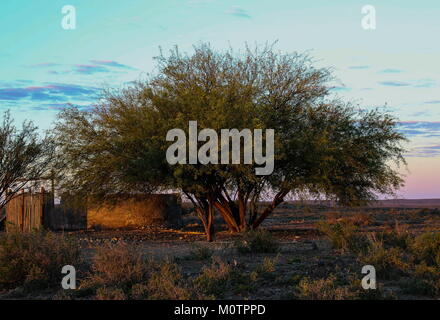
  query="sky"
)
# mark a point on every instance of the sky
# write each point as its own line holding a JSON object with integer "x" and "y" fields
{"x": 44, "y": 67}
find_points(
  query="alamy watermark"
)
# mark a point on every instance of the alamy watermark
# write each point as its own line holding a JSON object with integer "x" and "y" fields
{"x": 369, "y": 281}
{"x": 68, "y": 22}
{"x": 368, "y": 21}
{"x": 208, "y": 153}
{"x": 69, "y": 281}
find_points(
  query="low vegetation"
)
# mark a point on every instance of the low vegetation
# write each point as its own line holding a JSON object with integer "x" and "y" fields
{"x": 257, "y": 241}
{"x": 35, "y": 260}
{"x": 254, "y": 265}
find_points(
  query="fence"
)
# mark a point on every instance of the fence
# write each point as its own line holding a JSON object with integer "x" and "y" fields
{"x": 25, "y": 211}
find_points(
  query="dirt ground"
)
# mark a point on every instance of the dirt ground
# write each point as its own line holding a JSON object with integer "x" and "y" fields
{"x": 304, "y": 251}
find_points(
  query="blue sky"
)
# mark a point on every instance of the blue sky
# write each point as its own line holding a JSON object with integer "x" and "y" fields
{"x": 396, "y": 66}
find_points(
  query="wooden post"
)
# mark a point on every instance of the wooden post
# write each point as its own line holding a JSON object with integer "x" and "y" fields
{"x": 42, "y": 206}
{"x": 22, "y": 211}
{"x": 52, "y": 185}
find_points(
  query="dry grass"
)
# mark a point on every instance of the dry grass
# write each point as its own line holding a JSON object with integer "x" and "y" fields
{"x": 402, "y": 244}
{"x": 257, "y": 241}
{"x": 324, "y": 289}
{"x": 35, "y": 260}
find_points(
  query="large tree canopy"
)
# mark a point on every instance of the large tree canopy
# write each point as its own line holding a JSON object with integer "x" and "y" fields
{"x": 322, "y": 146}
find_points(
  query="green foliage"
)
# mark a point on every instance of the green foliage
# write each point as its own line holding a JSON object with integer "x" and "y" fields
{"x": 257, "y": 241}
{"x": 344, "y": 235}
{"x": 322, "y": 146}
{"x": 35, "y": 260}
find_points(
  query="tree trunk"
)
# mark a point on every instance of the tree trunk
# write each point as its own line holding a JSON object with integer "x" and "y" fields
{"x": 228, "y": 216}
{"x": 242, "y": 212}
{"x": 210, "y": 223}
{"x": 279, "y": 198}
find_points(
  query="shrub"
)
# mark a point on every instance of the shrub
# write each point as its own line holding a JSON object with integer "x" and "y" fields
{"x": 324, "y": 289}
{"x": 419, "y": 286}
{"x": 429, "y": 212}
{"x": 426, "y": 247}
{"x": 343, "y": 235}
{"x": 422, "y": 270}
{"x": 35, "y": 260}
{"x": 266, "y": 270}
{"x": 200, "y": 253}
{"x": 395, "y": 238}
{"x": 166, "y": 283}
{"x": 118, "y": 265}
{"x": 257, "y": 241}
{"x": 389, "y": 263}
{"x": 110, "y": 293}
{"x": 214, "y": 279}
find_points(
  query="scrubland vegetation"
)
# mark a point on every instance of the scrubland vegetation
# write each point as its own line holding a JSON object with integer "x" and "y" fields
{"x": 256, "y": 265}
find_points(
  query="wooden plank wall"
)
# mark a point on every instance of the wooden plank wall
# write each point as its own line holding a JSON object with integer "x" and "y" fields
{"x": 24, "y": 213}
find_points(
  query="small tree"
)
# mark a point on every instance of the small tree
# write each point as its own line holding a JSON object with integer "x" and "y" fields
{"x": 24, "y": 157}
{"x": 323, "y": 147}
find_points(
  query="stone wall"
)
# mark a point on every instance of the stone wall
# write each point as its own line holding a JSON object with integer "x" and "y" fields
{"x": 138, "y": 211}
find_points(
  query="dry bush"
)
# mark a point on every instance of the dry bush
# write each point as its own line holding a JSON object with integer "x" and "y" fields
{"x": 257, "y": 241}
{"x": 362, "y": 219}
{"x": 324, "y": 289}
{"x": 343, "y": 235}
{"x": 390, "y": 263}
{"x": 426, "y": 247}
{"x": 200, "y": 253}
{"x": 120, "y": 272}
{"x": 429, "y": 212}
{"x": 357, "y": 219}
{"x": 166, "y": 283}
{"x": 220, "y": 278}
{"x": 117, "y": 265}
{"x": 333, "y": 216}
{"x": 214, "y": 279}
{"x": 398, "y": 236}
{"x": 110, "y": 293}
{"x": 420, "y": 286}
{"x": 35, "y": 260}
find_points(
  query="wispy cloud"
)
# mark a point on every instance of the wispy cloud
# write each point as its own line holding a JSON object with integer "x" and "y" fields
{"x": 359, "y": 67}
{"x": 419, "y": 128}
{"x": 390, "y": 70}
{"x": 420, "y": 83}
{"x": 239, "y": 12}
{"x": 110, "y": 63}
{"x": 425, "y": 83}
{"x": 89, "y": 69}
{"x": 394, "y": 83}
{"x": 424, "y": 151}
{"x": 95, "y": 66}
{"x": 432, "y": 102}
{"x": 52, "y": 92}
